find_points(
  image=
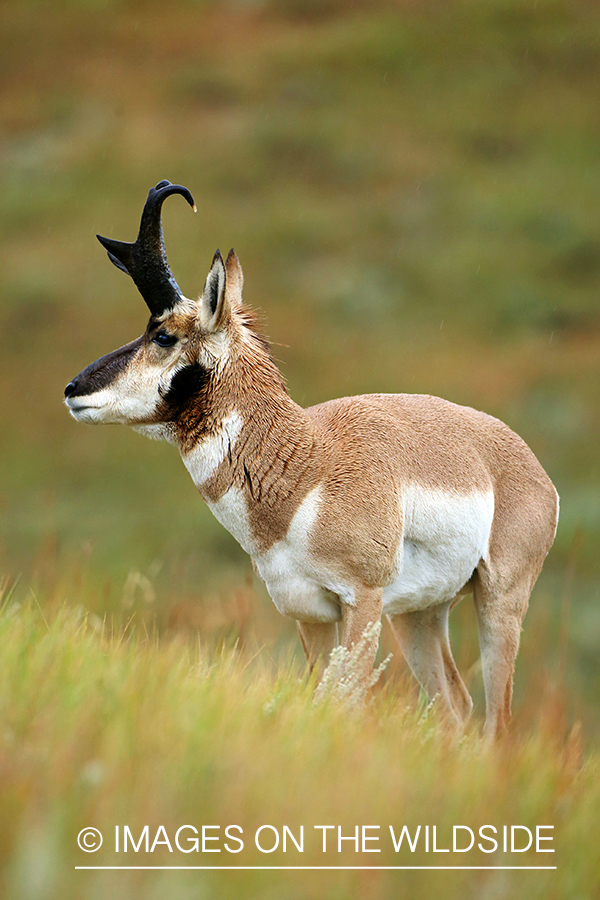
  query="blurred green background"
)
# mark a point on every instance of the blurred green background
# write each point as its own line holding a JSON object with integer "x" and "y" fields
{"x": 413, "y": 191}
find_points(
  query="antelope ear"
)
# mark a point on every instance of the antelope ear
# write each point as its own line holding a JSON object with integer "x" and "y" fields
{"x": 215, "y": 305}
{"x": 235, "y": 278}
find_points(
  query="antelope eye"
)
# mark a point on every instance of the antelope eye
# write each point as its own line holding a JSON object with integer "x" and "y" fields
{"x": 163, "y": 339}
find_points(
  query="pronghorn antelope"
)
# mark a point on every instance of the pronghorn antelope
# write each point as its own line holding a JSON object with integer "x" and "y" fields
{"x": 394, "y": 504}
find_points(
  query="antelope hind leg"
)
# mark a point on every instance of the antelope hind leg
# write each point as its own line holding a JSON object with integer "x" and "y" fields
{"x": 423, "y": 640}
{"x": 499, "y": 618}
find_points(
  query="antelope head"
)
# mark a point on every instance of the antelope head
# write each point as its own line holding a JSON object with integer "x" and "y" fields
{"x": 186, "y": 345}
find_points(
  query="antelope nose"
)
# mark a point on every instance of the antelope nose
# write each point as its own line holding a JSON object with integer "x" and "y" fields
{"x": 70, "y": 388}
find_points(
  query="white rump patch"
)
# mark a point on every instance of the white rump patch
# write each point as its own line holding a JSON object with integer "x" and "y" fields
{"x": 445, "y": 537}
{"x": 203, "y": 460}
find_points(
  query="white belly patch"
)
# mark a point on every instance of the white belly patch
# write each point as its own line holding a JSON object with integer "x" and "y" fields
{"x": 445, "y": 537}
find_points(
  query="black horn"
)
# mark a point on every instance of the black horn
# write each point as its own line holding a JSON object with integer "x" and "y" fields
{"x": 146, "y": 260}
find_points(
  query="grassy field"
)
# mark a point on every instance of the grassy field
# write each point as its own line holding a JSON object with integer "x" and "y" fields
{"x": 413, "y": 191}
{"x": 105, "y": 729}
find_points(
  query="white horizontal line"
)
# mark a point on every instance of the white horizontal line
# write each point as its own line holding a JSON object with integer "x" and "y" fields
{"x": 311, "y": 868}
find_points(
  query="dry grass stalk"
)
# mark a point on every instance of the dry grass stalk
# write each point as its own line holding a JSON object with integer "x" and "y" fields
{"x": 344, "y": 681}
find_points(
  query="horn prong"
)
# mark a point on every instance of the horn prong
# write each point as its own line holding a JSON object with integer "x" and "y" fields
{"x": 119, "y": 253}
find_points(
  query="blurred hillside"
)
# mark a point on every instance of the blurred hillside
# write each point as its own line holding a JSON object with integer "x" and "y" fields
{"x": 413, "y": 190}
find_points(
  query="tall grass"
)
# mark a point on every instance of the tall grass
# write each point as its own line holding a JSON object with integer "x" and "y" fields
{"x": 104, "y": 727}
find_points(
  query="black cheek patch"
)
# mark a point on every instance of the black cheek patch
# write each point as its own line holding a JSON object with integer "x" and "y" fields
{"x": 188, "y": 386}
{"x": 187, "y": 404}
